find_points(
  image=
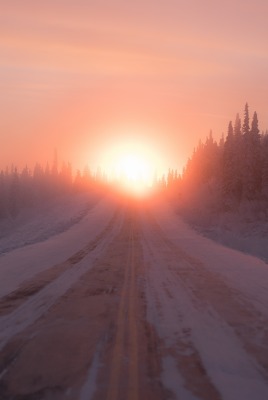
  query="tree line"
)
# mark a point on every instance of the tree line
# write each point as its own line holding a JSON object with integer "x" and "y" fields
{"x": 218, "y": 175}
{"x": 29, "y": 188}
{"x": 230, "y": 171}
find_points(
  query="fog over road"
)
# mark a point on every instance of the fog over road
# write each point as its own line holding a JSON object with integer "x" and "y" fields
{"x": 130, "y": 303}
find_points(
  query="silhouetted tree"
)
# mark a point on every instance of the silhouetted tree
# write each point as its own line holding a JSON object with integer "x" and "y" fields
{"x": 13, "y": 195}
{"x": 246, "y": 127}
{"x": 229, "y": 163}
{"x": 251, "y": 157}
{"x": 238, "y": 170}
{"x": 264, "y": 162}
{"x": 238, "y": 165}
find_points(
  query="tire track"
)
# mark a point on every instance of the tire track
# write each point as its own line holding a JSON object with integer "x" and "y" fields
{"x": 175, "y": 343}
{"x": 95, "y": 342}
{"x": 126, "y": 332}
{"x": 37, "y": 304}
{"x": 205, "y": 286}
{"x": 130, "y": 360}
{"x": 214, "y": 304}
{"x": 31, "y": 287}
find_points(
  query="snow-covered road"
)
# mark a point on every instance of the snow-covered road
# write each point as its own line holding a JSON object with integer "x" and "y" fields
{"x": 25, "y": 262}
{"x": 214, "y": 325}
{"x": 130, "y": 303}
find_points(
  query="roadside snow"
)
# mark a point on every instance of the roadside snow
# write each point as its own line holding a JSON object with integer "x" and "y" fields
{"x": 243, "y": 272}
{"x": 190, "y": 328}
{"x": 243, "y": 227}
{"x": 250, "y": 237}
{"x": 35, "y": 306}
{"x": 40, "y": 223}
{"x": 23, "y": 263}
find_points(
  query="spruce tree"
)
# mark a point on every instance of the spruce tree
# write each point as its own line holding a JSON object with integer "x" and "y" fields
{"x": 246, "y": 156}
{"x": 264, "y": 161}
{"x": 237, "y": 126}
{"x": 254, "y": 126}
{"x": 251, "y": 157}
{"x": 255, "y": 155}
{"x": 228, "y": 164}
{"x": 246, "y": 127}
{"x": 238, "y": 154}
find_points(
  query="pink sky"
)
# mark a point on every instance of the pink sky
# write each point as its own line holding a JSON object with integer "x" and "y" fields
{"x": 76, "y": 74}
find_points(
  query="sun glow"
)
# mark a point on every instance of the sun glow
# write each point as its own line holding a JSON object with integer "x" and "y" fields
{"x": 133, "y": 168}
{"x": 133, "y": 172}
{"x": 131, "y": 163}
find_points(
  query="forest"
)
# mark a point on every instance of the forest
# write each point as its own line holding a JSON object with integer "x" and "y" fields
{"x": 226, "y": 176}
{"x": 20, "y": 190}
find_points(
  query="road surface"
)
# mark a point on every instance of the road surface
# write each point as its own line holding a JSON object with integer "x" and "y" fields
{"x": 139, "y": 308}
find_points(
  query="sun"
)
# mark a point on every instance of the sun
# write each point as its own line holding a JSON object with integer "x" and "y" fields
{"x": 130, "y": 160}
{"x": 133, "y": 168}
{"x": 133, "y": 172}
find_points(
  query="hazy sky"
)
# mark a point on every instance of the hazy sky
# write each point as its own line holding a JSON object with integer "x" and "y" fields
{"x": 81, "y": 75}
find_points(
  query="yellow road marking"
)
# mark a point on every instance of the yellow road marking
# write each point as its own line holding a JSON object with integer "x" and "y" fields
{"x": 133, "y": 389}
{"x": 127, "y": 309}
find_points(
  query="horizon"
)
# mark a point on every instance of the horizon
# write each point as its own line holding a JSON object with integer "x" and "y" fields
{"x": 126, "y": 162}
{"x": 82, "y": 77}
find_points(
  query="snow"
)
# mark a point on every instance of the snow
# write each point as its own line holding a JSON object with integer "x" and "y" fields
{"x": 243, "y": 230}
{"x": 44, "y": 221}
{"x": 248, "y": 274}
{"x": 90, "y": 386}
{"x": 173, "y": 381}
{"x": 25, "y": 262}
{"x": 187, "y": 323}
{"x": 231, "y": 370}
{"x": 181, "y": 269}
